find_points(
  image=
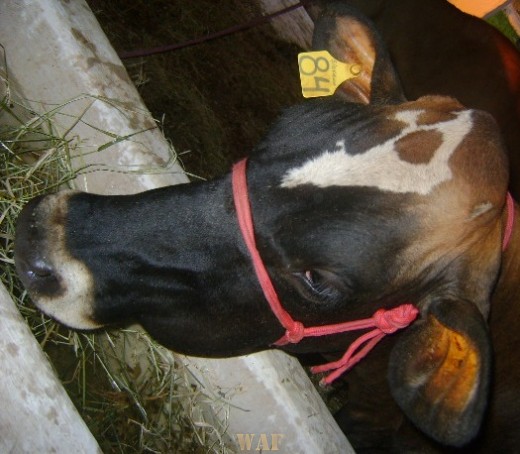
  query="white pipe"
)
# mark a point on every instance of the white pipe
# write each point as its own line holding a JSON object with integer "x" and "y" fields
{"x": 37, "y": 414}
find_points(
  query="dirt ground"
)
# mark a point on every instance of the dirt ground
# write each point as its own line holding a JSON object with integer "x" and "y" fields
{"x": 215, "y": 99}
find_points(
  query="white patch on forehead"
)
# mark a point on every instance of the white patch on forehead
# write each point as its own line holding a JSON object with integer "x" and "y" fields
{"x": 381, "y": 166}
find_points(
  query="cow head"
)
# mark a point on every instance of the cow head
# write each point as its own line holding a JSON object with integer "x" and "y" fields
{"x": 360, "y": 201}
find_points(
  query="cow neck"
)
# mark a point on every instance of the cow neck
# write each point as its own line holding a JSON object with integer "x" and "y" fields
{"x": 382, "y": 322}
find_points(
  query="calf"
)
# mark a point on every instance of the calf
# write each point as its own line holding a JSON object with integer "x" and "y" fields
{"x": 357, "y": 207}
{"x": 437, "y": 48}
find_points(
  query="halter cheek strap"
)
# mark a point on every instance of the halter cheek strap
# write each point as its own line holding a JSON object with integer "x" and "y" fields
{"x": 383, "y": 322}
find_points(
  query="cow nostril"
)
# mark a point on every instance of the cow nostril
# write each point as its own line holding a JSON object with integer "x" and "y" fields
{"x": 40, "y": 269}
{"x": 35, "y": 269}
{"x": 39, "y": 277}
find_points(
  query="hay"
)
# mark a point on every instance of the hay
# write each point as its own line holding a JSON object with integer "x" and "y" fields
{"x": 132, "y": 402}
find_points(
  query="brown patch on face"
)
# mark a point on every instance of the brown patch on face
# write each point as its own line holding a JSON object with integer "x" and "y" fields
{"x": 419, "y": 147}
{"x": 482, "y": 162}
{"x": 436, "y": 109}
{"x": 432, "y": 117}
{"x": 458, "y": 363}
{"x": 461, "y": 221}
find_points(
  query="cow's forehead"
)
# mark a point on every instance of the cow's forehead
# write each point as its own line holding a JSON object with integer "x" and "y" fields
{"x": 413, "y": 160}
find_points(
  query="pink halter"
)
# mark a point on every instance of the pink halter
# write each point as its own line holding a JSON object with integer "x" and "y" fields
{"x": 383, "y": 321}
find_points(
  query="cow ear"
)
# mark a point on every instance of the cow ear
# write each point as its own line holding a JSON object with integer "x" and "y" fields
{"x": 352, "y": 39}
{"x": 439, "y": 371}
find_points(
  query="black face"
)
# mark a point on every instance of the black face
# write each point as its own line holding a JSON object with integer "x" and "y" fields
{"x": 173, "y": 259}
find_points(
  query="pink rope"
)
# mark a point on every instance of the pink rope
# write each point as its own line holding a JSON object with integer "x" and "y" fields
{"x": 386, "y": 321}
{"x": 349, "y": 359}
{"x": 383, "y": 321}
{"x": 245, "y": 220}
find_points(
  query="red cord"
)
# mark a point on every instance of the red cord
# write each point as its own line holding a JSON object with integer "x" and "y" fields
{"x": 245, "y": 221}
{"x": 383, "y": 321}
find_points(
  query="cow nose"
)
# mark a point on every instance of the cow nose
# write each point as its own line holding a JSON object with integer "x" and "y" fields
{"x": 37, "y": 275}
{"x": 32, "y": 261}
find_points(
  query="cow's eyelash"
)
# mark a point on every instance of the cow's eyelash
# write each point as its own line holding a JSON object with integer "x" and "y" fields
{"x": 319, "y": 285}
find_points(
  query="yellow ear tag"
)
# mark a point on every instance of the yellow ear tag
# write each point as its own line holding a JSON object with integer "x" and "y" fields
{"x": 321, "y": 73}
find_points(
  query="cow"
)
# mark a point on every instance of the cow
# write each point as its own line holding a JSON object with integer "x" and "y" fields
{"x": 436, "y": 48}
{"x": 356, "y": 204}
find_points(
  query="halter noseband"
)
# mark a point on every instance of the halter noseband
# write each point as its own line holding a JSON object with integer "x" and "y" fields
{"x": 383, "y": 322}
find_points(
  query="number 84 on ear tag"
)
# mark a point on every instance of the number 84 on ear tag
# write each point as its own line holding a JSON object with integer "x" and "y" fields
{"x": 321, "y": 73}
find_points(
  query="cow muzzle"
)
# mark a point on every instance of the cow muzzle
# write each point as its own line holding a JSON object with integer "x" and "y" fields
{"x": 58, "y": 284}
{"x": 33, "y": 263}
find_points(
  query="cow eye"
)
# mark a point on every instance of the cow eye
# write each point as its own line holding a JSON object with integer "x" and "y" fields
{"x": 319, "y": 285}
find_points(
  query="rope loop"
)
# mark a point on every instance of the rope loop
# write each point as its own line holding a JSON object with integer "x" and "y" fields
{"x": 295, "y": 333}
{"x": 390, "y": 321}
{"x": 383, "y": 321}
